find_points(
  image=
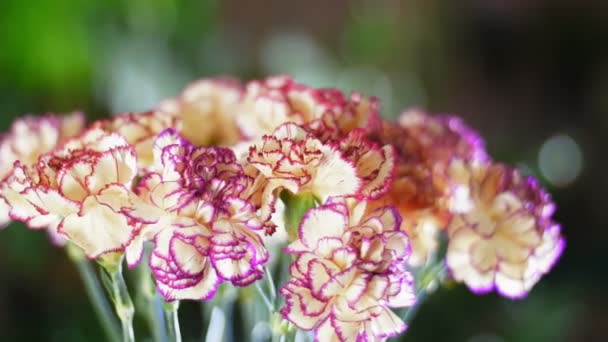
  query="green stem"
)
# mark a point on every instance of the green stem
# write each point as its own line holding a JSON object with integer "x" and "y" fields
{"x": 271, "y": 286}
{"x": 265, "y": 298}
{"x": 286, "y": 332}
{"x": 172, "y": 321}
{"x": 150, "y": 302}
{"x": 95, "y": 293}
{"x": 279, "y": 327}
{"x": 431, "y": 274}
{"x": 117, "y": 288}
{"x": 411, "y": 312}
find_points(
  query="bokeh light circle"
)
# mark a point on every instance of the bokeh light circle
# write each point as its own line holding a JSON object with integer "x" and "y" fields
{"x": 560, "y": 160}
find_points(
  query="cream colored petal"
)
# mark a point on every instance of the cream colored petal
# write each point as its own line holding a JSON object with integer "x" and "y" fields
{"x": 347, "y": 331}
{"x": 319, "y": 223}
{"x": 335, "y": 177}
{"x": 202, "y": 290}
{"x": 460, "y": 263}
{"x": 510, "y": 287}
{"x": 326, "y": 332}
{"x": 116, "y": 166}
{"x": 73, "y": 181}
{"x": 510, "y": 250}
{"x": 387, "y": 323}
{"x": 50, "y": 202}
{"x": 318, "y": 275}
{"x": 97, "y": 229}
{"x": 303, "y": 309}
{"x": 187, "y": 257}
{"x": 483, "y": 255}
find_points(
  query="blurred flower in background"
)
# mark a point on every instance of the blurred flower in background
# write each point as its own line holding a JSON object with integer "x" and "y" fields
{"x": 531, "y": 77}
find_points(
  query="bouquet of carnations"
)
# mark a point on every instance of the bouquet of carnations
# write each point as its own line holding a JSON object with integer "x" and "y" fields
{"x": 326, "y": 221}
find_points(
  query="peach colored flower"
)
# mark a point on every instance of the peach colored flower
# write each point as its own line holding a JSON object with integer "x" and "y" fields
{"x": 80, "y": 190}
{"x": 505, "y": 238}
{"x": 30, "y": 137}
{"x": 421, "y": 187}
{"x": 207, "y": 110}
{"x": 349, "y": 273}
{"x": 140, "y": 130}
{"x": 210, "y": 232}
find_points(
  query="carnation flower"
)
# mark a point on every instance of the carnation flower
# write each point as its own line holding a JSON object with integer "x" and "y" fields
{"x": 505, "y": 238}
{"x": 30, "y": 137}
{"x": 421, "y": 187}
{"x": 140, "y": 130}
{"x": 207, "y": 111}
{"x": 269, "y": 103}
{"x": 79, "y": 190}
{"x": 349, "y": 273}
{"x": 292, "y": 159}
{"x": 209, "y": 232}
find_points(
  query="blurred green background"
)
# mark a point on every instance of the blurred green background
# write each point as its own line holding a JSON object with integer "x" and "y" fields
{"x": 531, "y": 76}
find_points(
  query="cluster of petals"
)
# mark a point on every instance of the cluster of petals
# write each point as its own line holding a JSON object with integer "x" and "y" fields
{"x": 140, "y": 130}
{"x": 348, "y": 273}
{"x": 504, "y": 239}
{"x": 294, "y": 159}
{"x": 200, "y": 175}
{"x": 79, "y": 190}
{"x": 269, "y": 103}
{"x": 421, "y": 188}
{"x": 208, "y": 232}
{"x": 31, "y": 137}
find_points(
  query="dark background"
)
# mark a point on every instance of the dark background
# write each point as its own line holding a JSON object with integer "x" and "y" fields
{"x": 531, "y": 76}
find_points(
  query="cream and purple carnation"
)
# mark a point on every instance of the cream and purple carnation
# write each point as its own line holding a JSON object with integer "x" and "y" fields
{"x": 504, "y": 238}
{"x": 30, "y": 137}
{"x": 348, "y": 273}
{"x": 80, "y": 191}
{"x": 209, "y": 232}
{"x": 293, "y": 159}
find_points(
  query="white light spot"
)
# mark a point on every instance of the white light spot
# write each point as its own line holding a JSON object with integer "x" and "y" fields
{"x": 560, "y": 160}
